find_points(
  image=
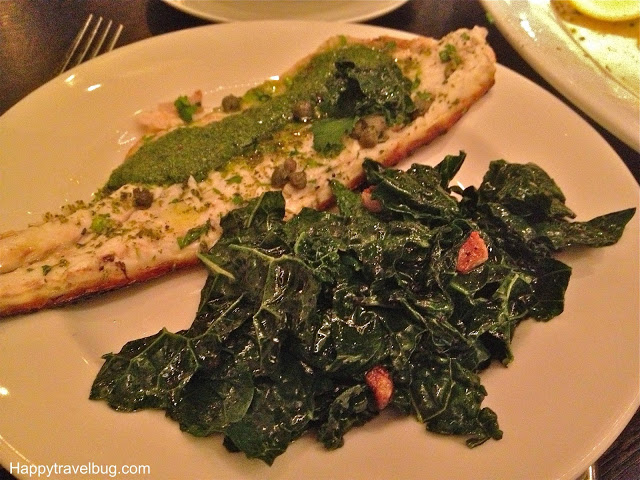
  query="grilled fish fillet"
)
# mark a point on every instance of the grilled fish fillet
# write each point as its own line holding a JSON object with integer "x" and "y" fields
{"x": 115, "y": 241}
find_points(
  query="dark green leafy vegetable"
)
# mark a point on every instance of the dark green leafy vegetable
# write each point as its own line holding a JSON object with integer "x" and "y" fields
{"x": 294, "y": 314}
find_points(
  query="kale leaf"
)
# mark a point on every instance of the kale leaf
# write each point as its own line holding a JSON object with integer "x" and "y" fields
{"x": 295, "y": 314}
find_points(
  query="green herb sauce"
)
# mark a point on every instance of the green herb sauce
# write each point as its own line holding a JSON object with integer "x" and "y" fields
{"x": 345, "y": 81}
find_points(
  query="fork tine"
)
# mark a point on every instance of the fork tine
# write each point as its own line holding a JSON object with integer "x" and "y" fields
{"x": 115, "y": 38}
{"x": 89, "y": 41}
{"x": 76, "y": 42}
{"x": 100, "y": 41}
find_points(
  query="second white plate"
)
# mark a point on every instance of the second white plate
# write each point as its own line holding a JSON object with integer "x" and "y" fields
{"x": 324, "y": 10}
{"x": 575, "y": 63}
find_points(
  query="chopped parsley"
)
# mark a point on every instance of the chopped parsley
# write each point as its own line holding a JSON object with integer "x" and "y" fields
{"x": 185, "y": 108}
{"x": 450, "y": 54}
{"x": 47, "y": 268}
{"x": 328, "y": 134}
{"x": 193, "y": 234}
{"x": 102, "y": 224}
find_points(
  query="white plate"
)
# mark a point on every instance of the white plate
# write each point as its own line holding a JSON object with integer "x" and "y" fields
{"x": 571, "y": 389}
{"x": 318, "y": 10}
{"x": 595, "y": 65}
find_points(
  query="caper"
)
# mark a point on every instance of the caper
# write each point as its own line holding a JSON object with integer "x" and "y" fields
{"x": 369, "y": 138}
{"x": 369, "y": 130}
{"x": 422, "y": 104}
{"x": 142, "y": 198}
{"x": 298, "y": 180}
{"x": 376, "y": 122}
{"x": 358, "y": 129}
{"x": 302, "y": 111}
{"x": 290, "y": 165}
{"x": 231, "y": 103}
{"x": 279, "y": 177}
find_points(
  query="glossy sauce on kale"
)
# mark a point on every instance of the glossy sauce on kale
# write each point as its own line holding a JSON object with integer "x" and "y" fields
{"x": 295, "y": 315}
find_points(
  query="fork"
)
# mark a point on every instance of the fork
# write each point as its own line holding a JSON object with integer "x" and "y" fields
{"x": 590, "y": 474}
{"x": 83, "y": 42}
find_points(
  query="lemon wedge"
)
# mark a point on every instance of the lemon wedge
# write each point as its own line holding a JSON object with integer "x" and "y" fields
{"x": 609, "y": 10}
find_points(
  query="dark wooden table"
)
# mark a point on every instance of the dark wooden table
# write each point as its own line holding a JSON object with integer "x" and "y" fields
{"x": 35, "y": 34}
